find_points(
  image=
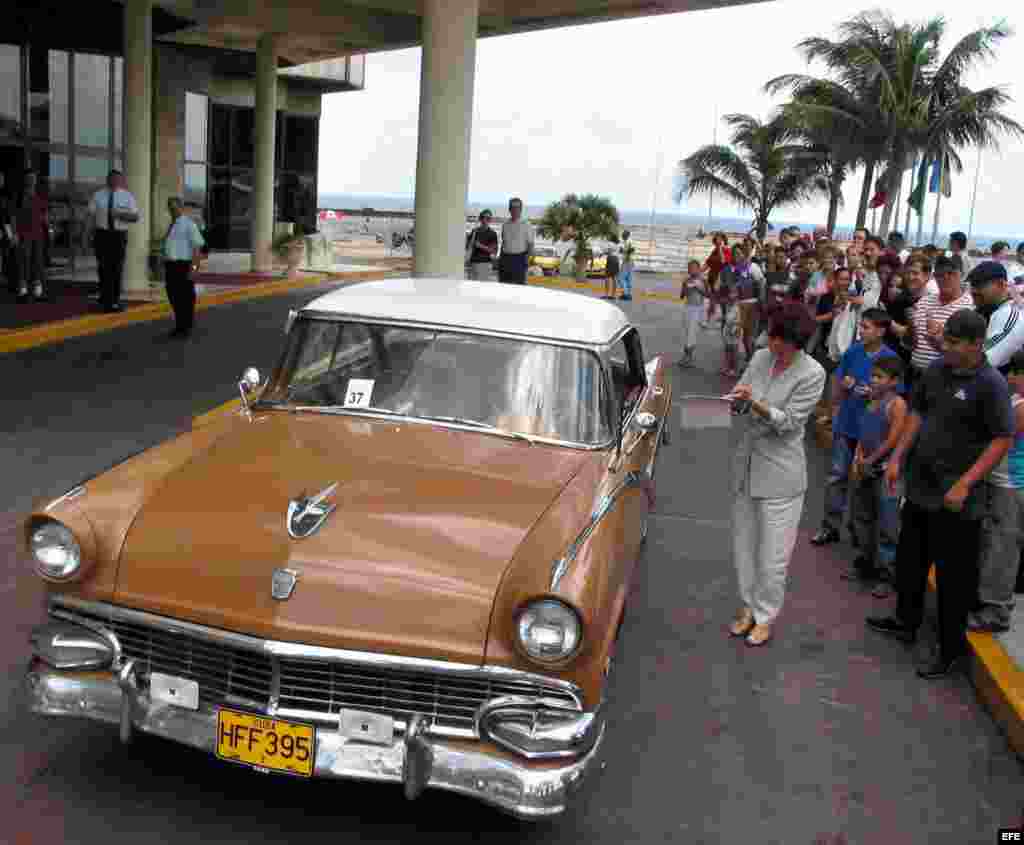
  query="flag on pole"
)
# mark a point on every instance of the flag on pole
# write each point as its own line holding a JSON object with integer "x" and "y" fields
{"x": 916, "y": 198}
{"x": 940, "y": 173}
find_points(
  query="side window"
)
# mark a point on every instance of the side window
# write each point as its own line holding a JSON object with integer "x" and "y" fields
{"x": 627, "y": 370}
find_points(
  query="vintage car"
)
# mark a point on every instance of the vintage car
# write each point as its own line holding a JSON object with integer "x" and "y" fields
{"x": 547, "y": 259}
{"x": 403, "y": 557}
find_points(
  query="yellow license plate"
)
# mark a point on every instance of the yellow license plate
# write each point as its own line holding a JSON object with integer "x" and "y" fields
{"x": 266, "y": 743}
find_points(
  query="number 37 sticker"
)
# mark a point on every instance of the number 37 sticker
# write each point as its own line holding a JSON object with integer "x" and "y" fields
{"x": 358, "y": 393}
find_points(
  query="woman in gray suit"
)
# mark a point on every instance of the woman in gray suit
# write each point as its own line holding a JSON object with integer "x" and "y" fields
{"x": 772, "y": 401}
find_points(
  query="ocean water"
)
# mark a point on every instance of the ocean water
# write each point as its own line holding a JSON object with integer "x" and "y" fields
{"x": 628, "y": 217}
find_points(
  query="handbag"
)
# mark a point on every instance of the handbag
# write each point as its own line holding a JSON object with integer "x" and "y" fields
{"x": 844, "y": 329}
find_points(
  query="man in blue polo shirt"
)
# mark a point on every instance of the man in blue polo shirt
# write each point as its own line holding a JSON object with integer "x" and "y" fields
{"x": 851, "y": 388}
{"x": 960, "y": 427}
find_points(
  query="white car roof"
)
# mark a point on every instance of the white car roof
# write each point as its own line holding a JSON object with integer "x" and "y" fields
{"x": 480, "y": 306}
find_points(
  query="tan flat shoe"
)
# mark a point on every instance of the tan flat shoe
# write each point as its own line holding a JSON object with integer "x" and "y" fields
{"x": 743, "y": 623}
{"x": 759, "y": 635}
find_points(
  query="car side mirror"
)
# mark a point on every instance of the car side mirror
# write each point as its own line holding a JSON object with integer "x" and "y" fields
{"x": 248, "y": 383}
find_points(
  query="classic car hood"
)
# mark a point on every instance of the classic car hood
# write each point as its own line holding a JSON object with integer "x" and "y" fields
{"x": 427, "y": 520}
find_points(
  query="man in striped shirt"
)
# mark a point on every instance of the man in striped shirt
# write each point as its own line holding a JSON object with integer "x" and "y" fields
{"x": 930, "y": 313}
{"x": 991, "y": 292}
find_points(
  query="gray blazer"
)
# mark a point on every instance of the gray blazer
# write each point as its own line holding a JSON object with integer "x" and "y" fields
{"x": 768, "y": 454}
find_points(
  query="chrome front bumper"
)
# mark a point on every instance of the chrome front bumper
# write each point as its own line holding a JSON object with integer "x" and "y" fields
{"x": 415, "y": 759}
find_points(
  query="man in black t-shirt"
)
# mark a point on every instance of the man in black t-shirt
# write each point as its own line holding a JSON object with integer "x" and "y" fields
{"x": 960, "y": 427}
{"x": 482, "y": 246}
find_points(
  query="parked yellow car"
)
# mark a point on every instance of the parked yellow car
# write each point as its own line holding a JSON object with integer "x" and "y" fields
{"x": 597, "y": 268}
{"x": 547, "y": 259}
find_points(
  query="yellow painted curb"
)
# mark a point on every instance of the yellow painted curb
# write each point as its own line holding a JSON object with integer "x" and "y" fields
{"x": 572, "y": 284}
{"x": 15, "y": 340}
{"x": 998, "y": 681}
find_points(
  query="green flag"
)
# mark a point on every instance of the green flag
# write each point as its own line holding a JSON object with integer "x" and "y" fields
{"x": 916, "y": 199}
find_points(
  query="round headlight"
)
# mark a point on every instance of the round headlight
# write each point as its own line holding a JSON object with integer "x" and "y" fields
{"x": 56, "y": 551}
{"x": 549, "y": 631}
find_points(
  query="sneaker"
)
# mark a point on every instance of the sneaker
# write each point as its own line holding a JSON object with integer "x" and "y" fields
{"x": 986, "y": 621}
{"x": 625, "y": 298}
{"x": 22, "y": 294}
{"x": 38, "y": 294}
{"x": 826, "y": 535}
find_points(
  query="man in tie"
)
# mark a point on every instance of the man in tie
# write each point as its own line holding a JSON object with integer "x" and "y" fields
{"x": 111, "y": 211}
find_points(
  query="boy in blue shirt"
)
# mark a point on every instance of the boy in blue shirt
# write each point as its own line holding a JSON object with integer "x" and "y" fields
{"x": 851, "y": 388}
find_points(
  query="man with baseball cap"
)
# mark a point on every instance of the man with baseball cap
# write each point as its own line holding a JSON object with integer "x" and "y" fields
{"x": 990, "y": 290}
{"x": 959, "y": 428}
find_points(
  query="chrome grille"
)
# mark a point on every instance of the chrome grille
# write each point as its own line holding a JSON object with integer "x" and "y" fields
{"x": 314, "y": 690}
{"x": 224, "y": 673}
{"x": 449, "y": 702}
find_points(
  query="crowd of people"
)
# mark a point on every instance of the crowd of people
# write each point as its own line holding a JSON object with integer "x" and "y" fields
{"x": 920, "y": 357}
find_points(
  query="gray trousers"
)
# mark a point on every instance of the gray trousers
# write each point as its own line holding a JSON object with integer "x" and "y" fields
{"x": 1002, "y": 536}
{"x": 764, "y": 534}
{"x": 480, "y": 272}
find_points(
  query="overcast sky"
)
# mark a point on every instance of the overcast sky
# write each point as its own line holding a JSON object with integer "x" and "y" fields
{"x": 598, "y": 108}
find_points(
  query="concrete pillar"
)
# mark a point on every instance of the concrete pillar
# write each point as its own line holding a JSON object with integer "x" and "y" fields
{"x": 446, "y": 120}
{"x": 138, "y": 153}
{"x": 263, "y": 175}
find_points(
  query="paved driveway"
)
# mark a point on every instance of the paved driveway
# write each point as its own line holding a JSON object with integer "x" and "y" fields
{"x": 824, "y": 737}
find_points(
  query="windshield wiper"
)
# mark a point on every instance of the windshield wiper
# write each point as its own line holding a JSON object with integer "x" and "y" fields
{"x": 482, "y": 425}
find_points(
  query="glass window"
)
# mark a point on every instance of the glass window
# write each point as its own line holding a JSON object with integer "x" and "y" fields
{"x": 357, "y": 70}
{"x": 243, "y": 153}
{"x": 118, "y": 103}
{"x": 300, "y": 144}
{"x": 92, "y": 169}
{"x": 57, "y": 173}
{"x": 195, "y": 126}
{"x": 10, "y": 91}
{"x": 220, "y": 134}
{"x": 92, "y": 100}
{"x": 486, "y": 382}
{"x": 48, "y": 96}
{"x": 195, "y": 184}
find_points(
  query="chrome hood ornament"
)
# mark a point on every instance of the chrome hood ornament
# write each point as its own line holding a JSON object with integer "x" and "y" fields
{"x": 307, "y": 513}
{"x": 282, "y": 582}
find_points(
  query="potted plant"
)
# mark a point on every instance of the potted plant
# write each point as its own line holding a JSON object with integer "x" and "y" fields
{"x": 291, "y": 249}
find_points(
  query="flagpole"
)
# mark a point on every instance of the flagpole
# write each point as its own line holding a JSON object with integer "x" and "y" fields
{"x": 974, "y": 196}
{"x": 896, "y": 207}
{"x": 920, "y": 218}
{"x": 711, "y": 192}
{"x": 913, "y": 170}
{"x": 938, "y": 197}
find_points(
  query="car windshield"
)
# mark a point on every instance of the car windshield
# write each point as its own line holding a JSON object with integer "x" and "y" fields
{"x": 514, "y": 386}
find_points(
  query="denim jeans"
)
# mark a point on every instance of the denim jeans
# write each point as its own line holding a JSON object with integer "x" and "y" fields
{"x": 838, "y": 480}
{"x": 876, "y": 523}
{"x": 626, "y": 280}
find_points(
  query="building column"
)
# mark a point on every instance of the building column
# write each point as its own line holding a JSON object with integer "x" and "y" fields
{"x": 446, "y": 121}
{"x": 265, "y": 120}
{"x": 138, "y": 153}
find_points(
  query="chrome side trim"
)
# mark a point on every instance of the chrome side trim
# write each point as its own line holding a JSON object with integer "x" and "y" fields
{"x": 482, "y": 772}
{"x": 277, "y": 648}
{"x": 73, "y": 493}
{"x": 631, "y": 480}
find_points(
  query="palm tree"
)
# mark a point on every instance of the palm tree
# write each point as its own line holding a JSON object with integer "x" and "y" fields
{"x": 580, "y": 219}
{"x": 760, "y": 171}
{"x": 839, "y": 125}
{"x": 911, "y": 102}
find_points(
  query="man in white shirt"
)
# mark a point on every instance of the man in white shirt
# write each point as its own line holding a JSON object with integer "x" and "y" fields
{"x": 111, "y": 211}
{"x": 516, "y": 245}
{"x": 958, "y": 252}
{"x": 181, "y": 256}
